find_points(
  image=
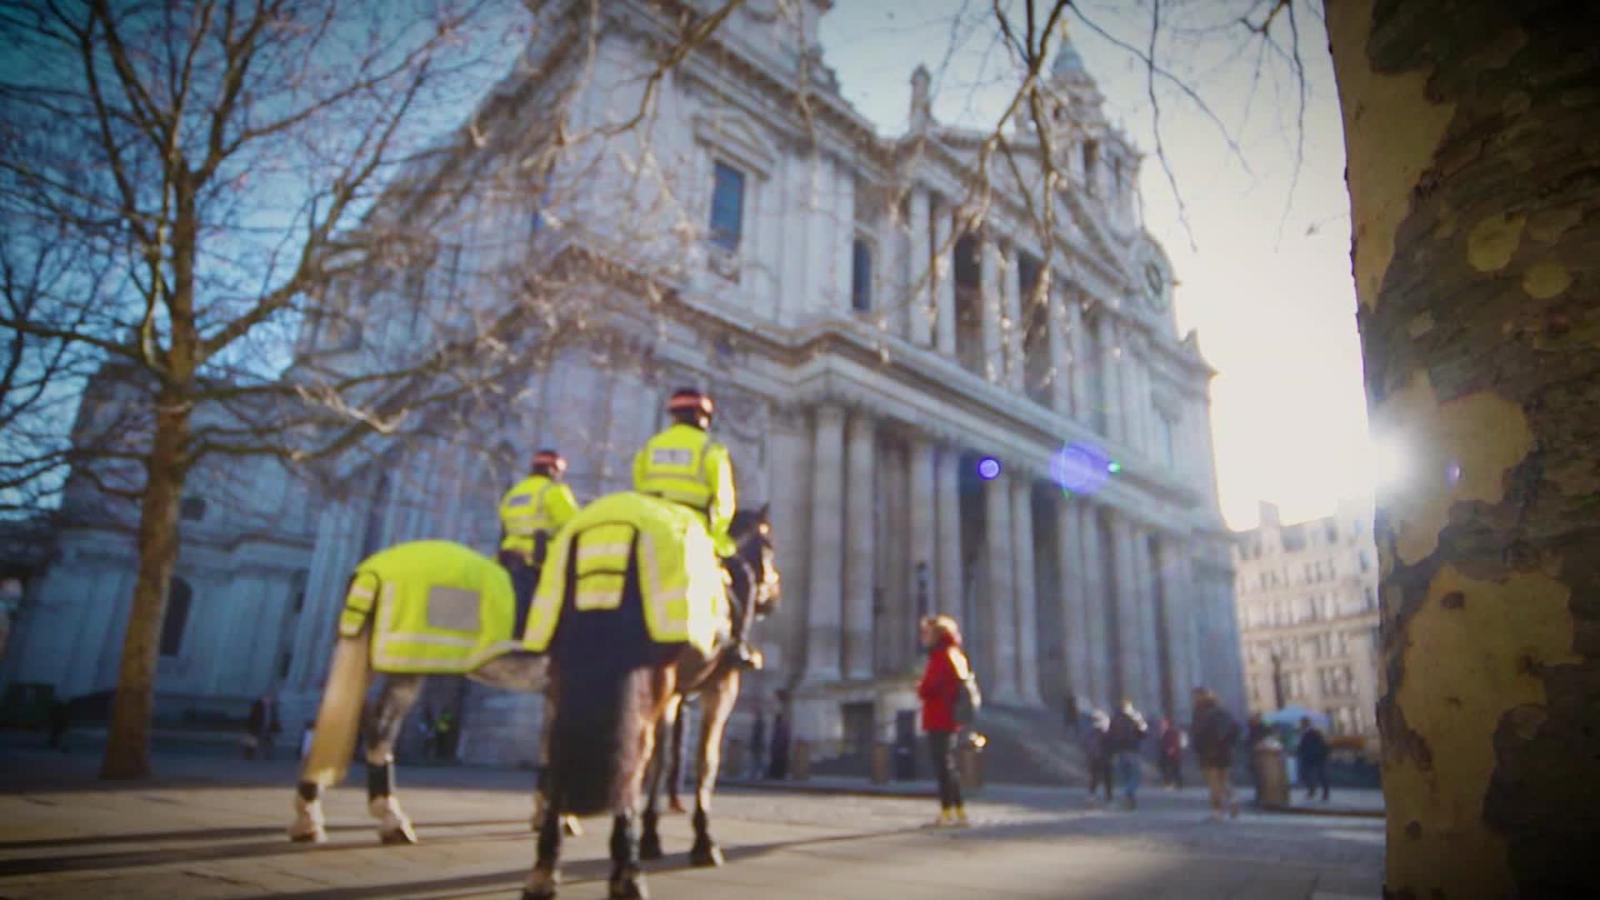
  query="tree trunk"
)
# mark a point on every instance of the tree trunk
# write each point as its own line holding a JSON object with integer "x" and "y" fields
{"x": 128, "y": 744}
{"x": 1473, "y": 138}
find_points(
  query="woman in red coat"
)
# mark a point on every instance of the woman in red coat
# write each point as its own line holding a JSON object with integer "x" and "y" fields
{"x": 941, "y": 686}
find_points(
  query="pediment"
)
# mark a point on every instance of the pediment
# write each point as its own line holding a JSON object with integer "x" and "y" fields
{"x": 735, "y": 134}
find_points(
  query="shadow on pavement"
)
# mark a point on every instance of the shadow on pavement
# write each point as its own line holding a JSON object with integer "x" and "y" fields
{"x": 216, "y": 834}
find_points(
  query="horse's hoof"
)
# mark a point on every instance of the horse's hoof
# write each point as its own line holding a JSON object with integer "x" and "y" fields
{"x": 675, "y": 806}
{"x": 314, "y": 836}
{"x": 650, "y": 846}
{"x": 627, "y": 889}
{"x": 706, "y": 855}
{"x": 542, "y": 887}
{"x": 571, "y": 827}
{"x": 549, "y": 894}
{"x": 402, "y": 834}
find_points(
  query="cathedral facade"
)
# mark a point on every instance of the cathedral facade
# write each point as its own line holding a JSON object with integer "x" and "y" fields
{"x": 946, "y": 408}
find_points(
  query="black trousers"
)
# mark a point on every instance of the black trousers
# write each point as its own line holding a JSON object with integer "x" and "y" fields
{"x": 942, "y": 747}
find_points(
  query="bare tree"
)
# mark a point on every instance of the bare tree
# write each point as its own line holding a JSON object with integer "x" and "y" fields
{"x": 229, "y": 235}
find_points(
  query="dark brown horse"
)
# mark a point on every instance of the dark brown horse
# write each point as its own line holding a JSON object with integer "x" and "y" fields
{"x": 611, "y": 687}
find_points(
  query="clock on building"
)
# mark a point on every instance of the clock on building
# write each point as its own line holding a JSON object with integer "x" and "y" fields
{"x": 1155, "y": 283}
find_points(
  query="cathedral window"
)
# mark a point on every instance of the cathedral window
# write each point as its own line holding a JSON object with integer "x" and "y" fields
{"x": 1091, "y": 159}
{"x": 179, "y": 597}
{"x": 727, "y": 206}
{"x": 860, "y": 276}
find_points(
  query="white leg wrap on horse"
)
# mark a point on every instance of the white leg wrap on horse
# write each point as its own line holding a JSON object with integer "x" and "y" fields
{"x": 394, "y": 826}
{"x": 308, "y": 826}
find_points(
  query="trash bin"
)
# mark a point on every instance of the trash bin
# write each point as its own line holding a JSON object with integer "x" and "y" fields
{"x": 880, "y": 763}
{"x": 800, "y": 761}
{"x": 1272, "y": 776}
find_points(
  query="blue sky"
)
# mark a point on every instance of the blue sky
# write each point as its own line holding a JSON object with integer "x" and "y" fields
{"x": 1266, "y": 279}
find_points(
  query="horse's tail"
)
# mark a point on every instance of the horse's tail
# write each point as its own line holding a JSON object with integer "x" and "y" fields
{"x": 595, "y": 736}
{"x": 602, "y": 666}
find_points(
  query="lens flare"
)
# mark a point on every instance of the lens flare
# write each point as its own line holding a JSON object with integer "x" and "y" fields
{"x": 988, "y": 468}
{"x": 1082, "y": 468}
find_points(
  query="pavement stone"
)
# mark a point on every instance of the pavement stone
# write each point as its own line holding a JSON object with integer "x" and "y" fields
{"x": 211, "y": 827}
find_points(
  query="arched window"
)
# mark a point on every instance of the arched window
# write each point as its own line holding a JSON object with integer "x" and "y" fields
{"x": 179, "y": 598}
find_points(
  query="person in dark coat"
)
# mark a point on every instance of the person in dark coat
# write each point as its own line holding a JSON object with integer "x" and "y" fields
{"x": 939, "y": 690}
{"x": 1170, "y": 741}
{"x": 1312, "y": 753}
{"x": 758, "y": 745}
{"x": 1097, "y": 753}
{"x": 1214, "y": 734}
{"x": 1127, "y": 732}
{"x": 263, "y": 727}
{"x": 778, "y": 759}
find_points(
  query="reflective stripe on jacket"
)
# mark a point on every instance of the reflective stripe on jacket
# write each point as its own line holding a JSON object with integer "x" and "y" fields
{"x": 533, "y": 505}
{"x": 680, "y": 576}
{"x": 434, "y": 607}
{"x": 684, "y": 465}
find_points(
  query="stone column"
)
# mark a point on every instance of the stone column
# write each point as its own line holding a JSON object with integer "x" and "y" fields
{"x": 1061, "y": 368}
{"x": 945, "y": 281}
{"x": 948, "y": 574}
{"x": 826, "y": 602}
{"x": 1000, "y": 597}
{"x": 1011, "y": 323}
{"x": 1133, "y": 401}
{"x": 1096, "y": 596}
{"x": 922, "y": 517}
{"x": 1077, "y": 379}
{"x": 1175, "y": 588}
{"x": 920, "y": 282}
{"x": 992, "y": 280}
{"x": 859, "y": 556}
{"x": 1150, "y": 656}
{"x": 1125, "y": 594}
{"x": 1110, "y": 378}
{"x": 1027, "y": 594}
{"x": 1074, "y": 608}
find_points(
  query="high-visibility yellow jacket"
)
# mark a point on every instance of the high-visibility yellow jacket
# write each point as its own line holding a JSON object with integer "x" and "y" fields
{"x": 680, "y": 575}
{"x": 683, "y": 464}
{"x": 534, "y": 504}
{"x": 434, "y": 607}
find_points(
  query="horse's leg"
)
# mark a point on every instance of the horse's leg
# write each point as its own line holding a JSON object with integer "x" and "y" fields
{"x": 650, "y": 839}
{"x": 653, "y": 693}
{"x": 541, "y": 787}
{"x": 675, "y": 758}
{"x": 333, "y": 740}
{"x": 382, "y": 728}
{"x": 542, "y": 881}
{"x": 716, "y": 704}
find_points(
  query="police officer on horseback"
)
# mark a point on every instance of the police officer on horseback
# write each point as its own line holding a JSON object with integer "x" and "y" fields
{"x": 530, "y": 514}
{"x": 683, "y": 464}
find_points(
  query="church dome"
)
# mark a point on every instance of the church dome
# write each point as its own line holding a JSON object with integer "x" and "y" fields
{"x": 1068, "y": 64}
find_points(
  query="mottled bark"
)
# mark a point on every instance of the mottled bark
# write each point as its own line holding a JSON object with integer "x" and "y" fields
{"x": 128, "y": 741}
{"x": 1473, "y": 138}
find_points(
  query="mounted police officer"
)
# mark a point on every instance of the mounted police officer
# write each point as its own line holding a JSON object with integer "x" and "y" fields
{"x": 683, "y": 464}
{"x": 530, "y": 514}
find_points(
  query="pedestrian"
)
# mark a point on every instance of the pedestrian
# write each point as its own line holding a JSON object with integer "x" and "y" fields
{"x": 1097, "y": 751}
{"x": 1170, "y": 742}
{"x": 1127, "y": 732}
{"x": 1256, "y": 731}
{"x": 263, "y": 726}
{"x": 758, "y": 745}
{"x": 1070, "y": 711}
{"x": 945, "y": 678}
{"x": 1215, "y": 734}
{"x": 60, "y": 722}
{"x": 444, "y": 727}
{"x": 1312, "y": 753}
{"x": 778, "y": 767}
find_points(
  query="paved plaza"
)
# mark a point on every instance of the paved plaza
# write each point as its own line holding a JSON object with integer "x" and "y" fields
{"x": 212, "y": 827}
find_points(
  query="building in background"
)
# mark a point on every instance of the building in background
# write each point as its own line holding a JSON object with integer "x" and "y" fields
{"x": 944, "y": 411}
{"x": 1308, "y": 615}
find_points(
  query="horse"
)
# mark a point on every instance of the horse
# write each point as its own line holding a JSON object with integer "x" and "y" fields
{"x": 341, "y": 712}
{"x": 612, "y": 686}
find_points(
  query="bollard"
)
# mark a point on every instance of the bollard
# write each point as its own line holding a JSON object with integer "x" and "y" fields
{"x": 1272, "y": 776}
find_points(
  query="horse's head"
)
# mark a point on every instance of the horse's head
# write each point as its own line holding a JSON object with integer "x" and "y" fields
{"x": 752, "y": 531}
